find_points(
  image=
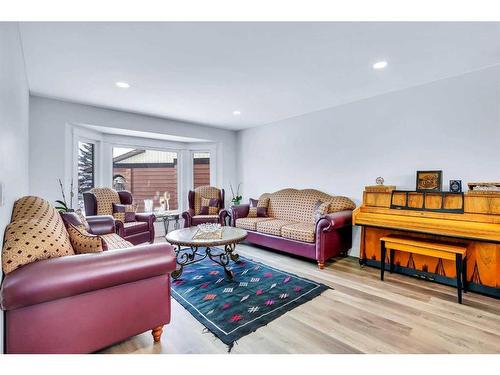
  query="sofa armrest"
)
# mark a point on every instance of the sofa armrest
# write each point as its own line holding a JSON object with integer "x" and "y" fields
{"x": 223, "y": 214}
{"x": 239, "y": 211}
{"x": 103, "y": 224}
{"x": 145, "y": 217}
{"x": 120, "y": 228}
{"x": 57, "y": 278}
{"x": 334, "y": 220}
{"x": 188, "y": 216}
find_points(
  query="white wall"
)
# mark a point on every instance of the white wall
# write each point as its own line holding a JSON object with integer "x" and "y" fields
{"x": 14, "y": 118}
{"x": 50, "y": 127}
{"x": 451, "y": 125}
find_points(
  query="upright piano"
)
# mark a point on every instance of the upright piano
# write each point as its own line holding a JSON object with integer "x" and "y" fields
{"x": 471, "y": 219}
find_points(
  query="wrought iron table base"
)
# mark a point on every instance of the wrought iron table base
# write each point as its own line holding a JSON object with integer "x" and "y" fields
{"x": 166, "y": 222}
{"x": 190, "y": 255}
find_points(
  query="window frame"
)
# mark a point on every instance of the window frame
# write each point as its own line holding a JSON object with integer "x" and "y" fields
{"x": 132, "y": 145}
{"x": 83, "y": 136}
{"x": 191, "y": 164}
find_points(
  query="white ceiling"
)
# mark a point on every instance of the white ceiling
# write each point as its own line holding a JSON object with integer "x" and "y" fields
{"x": 202, "y": 72}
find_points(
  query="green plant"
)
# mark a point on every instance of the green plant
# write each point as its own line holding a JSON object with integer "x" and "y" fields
{"x": 236, "y": 198}
{"x": 62, "y": 204}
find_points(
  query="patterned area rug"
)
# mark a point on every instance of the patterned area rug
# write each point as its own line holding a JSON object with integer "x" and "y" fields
{"x": 231, "y": 309}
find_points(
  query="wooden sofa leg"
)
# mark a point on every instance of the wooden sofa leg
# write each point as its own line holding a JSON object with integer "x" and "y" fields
{"x": 156, "y": 332}
{"x": 321, "y": 265}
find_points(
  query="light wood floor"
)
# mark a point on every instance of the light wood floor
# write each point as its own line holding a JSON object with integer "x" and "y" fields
{"x": 361, "y": 315}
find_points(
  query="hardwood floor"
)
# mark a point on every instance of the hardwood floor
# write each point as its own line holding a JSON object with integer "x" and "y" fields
{"x": 361, "y": 315}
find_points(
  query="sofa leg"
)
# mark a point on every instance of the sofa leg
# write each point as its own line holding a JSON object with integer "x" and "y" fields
{"x": 156, "y": 332}
{"x": 321, "y": 265}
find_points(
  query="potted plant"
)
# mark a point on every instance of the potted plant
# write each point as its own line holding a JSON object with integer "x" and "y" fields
{"x": 236, "y": 198}
{"x": 63, "y": 204}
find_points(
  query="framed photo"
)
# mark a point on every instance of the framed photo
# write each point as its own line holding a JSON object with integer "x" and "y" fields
{"x": 456, "y": 186}
{"x": 429, "y": 181}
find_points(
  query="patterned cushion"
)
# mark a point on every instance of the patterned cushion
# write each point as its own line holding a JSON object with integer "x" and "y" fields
{"x": 83, "y": 242}
{"x": 272, "y": 226}
{"x": 105, "y": 198}
{"x": 113, "y": 241}
{"x": 250, "y": 223}
{"x": 124, "y": 212}
{"x": 209, "y": 206}
{"x": 299, "y": 232}
{"x": 206, "y": 192}
{"x": 36, "y": 232}
{"x": 258, "y": 208}
{"x": 252, "y": 213}
{"x": 298, "y": 205}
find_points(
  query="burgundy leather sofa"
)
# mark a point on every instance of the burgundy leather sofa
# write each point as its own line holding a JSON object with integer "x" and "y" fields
{"x": 193, "y": 215}
{"x": 83, "y": 303}
{"x": 140, "y": 231}
{"x": 327, "y": 236}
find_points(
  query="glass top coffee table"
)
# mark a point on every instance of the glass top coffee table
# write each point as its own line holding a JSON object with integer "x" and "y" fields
{"x": 199, "y": 248}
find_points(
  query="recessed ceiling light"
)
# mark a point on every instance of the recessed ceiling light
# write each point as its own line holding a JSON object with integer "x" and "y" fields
{"x": 122, "y": 85}
{"x": 236, "y": 113}
{"x": 380, "y": 65}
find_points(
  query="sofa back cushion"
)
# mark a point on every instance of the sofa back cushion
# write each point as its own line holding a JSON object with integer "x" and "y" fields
{"x": 207, "y": 192}
{"x": 105, "y": 198}
{"x": 36, "y": 232}
{"x": 299, "y": 205}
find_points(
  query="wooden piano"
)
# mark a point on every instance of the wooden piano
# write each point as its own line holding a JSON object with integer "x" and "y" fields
{"x": 471, "y": 219}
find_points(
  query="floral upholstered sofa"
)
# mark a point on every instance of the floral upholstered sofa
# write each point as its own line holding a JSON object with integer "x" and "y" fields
{"x": 307, "y": 223}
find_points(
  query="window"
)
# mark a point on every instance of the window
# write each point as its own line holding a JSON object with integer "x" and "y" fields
{"x": 201, "y": 169}
{"x": 86, "y": 169}
{"x": 147, "y": 174}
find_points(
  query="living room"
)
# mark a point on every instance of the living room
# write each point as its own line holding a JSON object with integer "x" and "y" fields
{"x": 292, "y": 187}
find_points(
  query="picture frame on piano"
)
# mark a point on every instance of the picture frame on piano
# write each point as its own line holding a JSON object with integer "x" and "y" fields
{"x": 429, "y": 181}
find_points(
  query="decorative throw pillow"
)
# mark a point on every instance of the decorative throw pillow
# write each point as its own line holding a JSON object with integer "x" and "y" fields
{"x": 83, "y": 242}
{"x": 209, "y": 206}
{"x": 75, "y": 219}
{"x": 36, "y": 232}
{"x": 258, "y": 208}
{"x": 124, "y": 212}
{"x": 320, "y": 209}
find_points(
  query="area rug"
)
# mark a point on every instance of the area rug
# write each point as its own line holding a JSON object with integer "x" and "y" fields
{"x": 231, "y": 309}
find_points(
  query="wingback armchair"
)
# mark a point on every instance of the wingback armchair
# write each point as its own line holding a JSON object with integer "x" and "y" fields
{"x": 194, "y": 215}
{"x": 99, "y": 201}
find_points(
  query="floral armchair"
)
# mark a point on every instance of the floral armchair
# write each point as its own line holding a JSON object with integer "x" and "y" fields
{"x": 199, "y": 214}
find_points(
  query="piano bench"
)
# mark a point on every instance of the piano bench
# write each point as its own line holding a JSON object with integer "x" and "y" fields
{"x": 455, "y": 252}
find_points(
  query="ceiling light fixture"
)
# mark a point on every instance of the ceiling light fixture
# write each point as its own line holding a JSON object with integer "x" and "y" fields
{"x": 236, "y": 113}
{"x": 122, "y": 85}
{"x": 380, "y": 65}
